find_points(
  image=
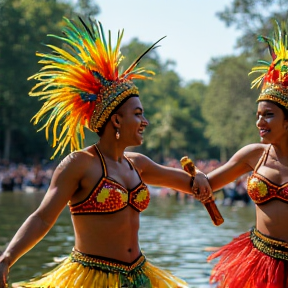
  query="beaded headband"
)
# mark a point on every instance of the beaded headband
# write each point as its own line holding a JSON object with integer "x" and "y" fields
{"x": 81, "y": 83}
{"x": 275, "y": 73}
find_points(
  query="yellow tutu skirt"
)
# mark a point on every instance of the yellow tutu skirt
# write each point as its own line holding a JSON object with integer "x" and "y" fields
{"x": 89, "y": 271}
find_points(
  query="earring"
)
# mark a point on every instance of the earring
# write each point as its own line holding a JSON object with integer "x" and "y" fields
{"x": 117, "y": 134}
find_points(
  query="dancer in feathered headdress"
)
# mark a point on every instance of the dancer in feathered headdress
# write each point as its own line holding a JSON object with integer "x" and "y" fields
{"x": 259, "y": 258}
{"x": 82, "y": 84}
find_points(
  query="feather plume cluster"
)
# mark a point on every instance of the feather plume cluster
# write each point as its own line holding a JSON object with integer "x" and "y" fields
{"x": 80, "y": 81}
{"x": 276, "y": 71}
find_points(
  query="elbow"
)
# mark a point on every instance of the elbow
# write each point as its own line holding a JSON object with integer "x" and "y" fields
{"x": 43, "y": 220}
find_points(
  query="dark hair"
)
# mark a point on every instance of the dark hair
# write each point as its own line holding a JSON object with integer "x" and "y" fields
{"x": 101, "y": 130}
{"x": 285, "y": 111}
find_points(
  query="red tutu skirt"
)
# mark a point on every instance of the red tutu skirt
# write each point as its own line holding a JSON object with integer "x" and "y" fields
{"x": 252, "y": 260}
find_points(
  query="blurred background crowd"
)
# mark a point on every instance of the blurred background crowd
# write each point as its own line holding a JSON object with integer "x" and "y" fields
{"x": 23, "y": 177}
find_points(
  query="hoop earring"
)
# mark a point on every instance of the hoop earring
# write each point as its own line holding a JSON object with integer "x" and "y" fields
{"x": 117, "y": 134}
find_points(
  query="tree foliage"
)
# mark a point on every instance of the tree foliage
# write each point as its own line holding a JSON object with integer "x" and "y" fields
{"x": 229, "y": 106}
{"x": 253, "y": 18}
{"x": 24, "y": 26}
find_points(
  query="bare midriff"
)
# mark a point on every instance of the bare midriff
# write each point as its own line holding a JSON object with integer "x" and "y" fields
{"x": 272, "y": 219}
{"x": 111, "y": 235}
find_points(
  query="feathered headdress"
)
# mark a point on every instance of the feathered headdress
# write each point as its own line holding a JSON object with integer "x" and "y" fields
{"x": 275, "y": 73}
{"x": 81, "y": 83}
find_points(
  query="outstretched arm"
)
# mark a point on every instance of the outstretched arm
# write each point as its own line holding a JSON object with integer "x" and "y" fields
{"x": 242, "y": 162}
{"x": 163, "y": 176}
{"x": 64, "y": 183}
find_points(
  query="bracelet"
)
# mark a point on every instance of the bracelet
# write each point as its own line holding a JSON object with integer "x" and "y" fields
{"x": 205, "y": 175}
{"x": 202, "y": 173}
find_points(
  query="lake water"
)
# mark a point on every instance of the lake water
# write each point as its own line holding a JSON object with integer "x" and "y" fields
{"x": 173, "y": 235}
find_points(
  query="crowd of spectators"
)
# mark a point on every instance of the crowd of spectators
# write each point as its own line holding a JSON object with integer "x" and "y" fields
{"x": 24, "y": 177}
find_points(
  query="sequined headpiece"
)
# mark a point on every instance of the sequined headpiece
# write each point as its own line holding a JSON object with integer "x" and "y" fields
{"x": 275, "y": 73}
{"x": 81, "y": 83}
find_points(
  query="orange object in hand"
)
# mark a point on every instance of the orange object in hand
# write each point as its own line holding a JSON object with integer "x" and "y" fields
{"x": 216, "y": 217}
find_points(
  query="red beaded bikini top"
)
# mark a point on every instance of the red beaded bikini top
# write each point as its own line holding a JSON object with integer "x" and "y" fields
{"x": 109, "y": 196}
{"x": 261, "y": 189}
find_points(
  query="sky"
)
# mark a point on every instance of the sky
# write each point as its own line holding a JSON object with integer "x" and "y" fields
{"x": 194, "y": 33}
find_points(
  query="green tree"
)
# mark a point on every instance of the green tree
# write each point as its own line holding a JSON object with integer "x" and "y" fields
{"x": 162, "y": 104}
{"x": 229, "y": 106}
{"x": 192, "y": 123}
{"x": 253, "y": 18}
{"x": 24, "y": 26}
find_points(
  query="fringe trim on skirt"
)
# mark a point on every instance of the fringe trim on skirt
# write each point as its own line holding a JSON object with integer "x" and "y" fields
{"x": 89, "y": 271}
{"x": 252, "y": 260}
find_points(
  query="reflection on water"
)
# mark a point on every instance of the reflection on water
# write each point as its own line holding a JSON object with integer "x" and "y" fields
{"x": 173, "y": 235}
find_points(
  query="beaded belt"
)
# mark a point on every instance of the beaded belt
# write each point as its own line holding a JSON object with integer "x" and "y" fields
{"x": 272, "y": 247}
{"x": 107, "y": 264}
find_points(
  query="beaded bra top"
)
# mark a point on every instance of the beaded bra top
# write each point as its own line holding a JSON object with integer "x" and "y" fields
{"x": 261, "y": 189}
{"x": 109, "y": 196}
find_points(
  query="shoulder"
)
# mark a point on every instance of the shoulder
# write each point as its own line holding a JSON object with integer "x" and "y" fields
{"x": 250, "y": 154}
{"x": 254, "y": 148}
{"x": 140, "y": 161}
{"x": 77, "y": 160}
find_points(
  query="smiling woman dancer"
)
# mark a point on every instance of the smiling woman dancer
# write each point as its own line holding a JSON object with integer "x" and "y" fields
{"x": 259, "y": 258}
{"x": 103, "y": 185}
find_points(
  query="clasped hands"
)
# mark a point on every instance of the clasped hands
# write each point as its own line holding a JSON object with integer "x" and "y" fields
{"x": 201, "y": 189}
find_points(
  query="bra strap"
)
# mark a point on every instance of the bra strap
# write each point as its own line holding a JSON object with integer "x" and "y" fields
{"x": 103, "y": 164}
{"x": 263, "y": 158}
{"x": 267, "y": 153}
{"x": 133, "y": 166}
